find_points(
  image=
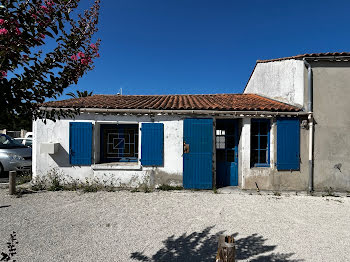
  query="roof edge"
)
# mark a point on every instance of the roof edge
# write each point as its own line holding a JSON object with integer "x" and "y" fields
{"x": 184, "y": 111}
{"x": 316, "y": 56}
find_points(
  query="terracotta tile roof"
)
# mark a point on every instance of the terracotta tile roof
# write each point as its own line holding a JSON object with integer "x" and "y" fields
{"x": 221, "y": 102}
{"x": 313, "y": 55}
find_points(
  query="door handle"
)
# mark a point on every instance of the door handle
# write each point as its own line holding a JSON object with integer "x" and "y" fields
{"x": 186, "y": 148}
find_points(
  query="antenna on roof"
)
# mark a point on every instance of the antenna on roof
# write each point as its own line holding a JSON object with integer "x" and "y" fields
{"x": 120, "y": 92}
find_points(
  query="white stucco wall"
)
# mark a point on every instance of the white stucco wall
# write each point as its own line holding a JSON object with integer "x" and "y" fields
{"x": 58, "y": 132}
{"x": 280, "y": 80}
{"x": 249, "y": 173}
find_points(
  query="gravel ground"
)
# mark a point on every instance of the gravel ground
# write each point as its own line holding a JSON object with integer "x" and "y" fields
{"x": 174, "y": 226}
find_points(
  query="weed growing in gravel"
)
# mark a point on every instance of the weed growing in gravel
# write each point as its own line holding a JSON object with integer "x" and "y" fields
{"x": 91, "y": 185}
{"x": 276, "y": 193}
{"x": 329, "y": 192}
{"x": 144, "y": 185}
{"x": 23, "y": 177}
{"x": 215, "y": 191}
{"x": 39, "y": 183}
{"x": 166, "y": 187}
{"x": 11, "y": 246}
{"x": 56, "y": 181}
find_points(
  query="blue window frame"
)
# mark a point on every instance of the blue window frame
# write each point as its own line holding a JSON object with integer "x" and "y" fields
{"x": 260, "y": 143}
{"x": 119, "y": 143}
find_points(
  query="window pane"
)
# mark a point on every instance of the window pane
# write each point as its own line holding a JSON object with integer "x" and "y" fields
{"x": 254, "y": 128}
{"x": 263, "y": 142}
{"x": 230, "y": 155}
{"x": 220, "y": 155}
{"x": 263, "y": 157}
{"x": 263, "y": 128}
{"x": 254, "y": 142}
{"x": 230, "y": 142}
{"x": 120, "y": 143}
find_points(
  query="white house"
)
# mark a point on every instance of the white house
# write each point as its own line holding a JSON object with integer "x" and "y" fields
{"x": 281, "y": 134}
{"x": 198, "y": 141}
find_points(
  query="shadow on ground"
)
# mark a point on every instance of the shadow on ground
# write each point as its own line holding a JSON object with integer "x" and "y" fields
{"x": 202, "y": 246}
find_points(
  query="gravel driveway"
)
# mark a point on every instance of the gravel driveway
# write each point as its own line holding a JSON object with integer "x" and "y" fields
{"x": 174, "y": 226}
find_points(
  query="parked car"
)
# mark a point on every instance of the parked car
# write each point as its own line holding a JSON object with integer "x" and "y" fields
{"x": 25, "y": 141}
{"x": 29, "y": 135}
{"x": 14, "y": 155}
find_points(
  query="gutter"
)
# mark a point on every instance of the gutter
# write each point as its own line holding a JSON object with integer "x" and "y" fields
{"x": 156, "y": 111}
{"x": 311, "y": 125}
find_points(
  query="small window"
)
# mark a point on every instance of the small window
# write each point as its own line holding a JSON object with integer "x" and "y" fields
{"x": 220, "y": 139}
{"x": 119, "y": 143}
{"x": 260, "y": 140}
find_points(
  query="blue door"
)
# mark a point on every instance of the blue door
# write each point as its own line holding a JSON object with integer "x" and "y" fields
{"x": 80, "y": 143}
{"x": 198, "y": 153}
{"x": 226, "y": 152}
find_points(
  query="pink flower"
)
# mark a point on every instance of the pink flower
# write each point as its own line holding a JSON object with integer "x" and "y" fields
{"x": 97, "y": 55}
{"x": 18, "y": 32}
{"x": 2, "y": 21}
{"x": 34, "y": 16}
{"x": 84, "y": 61}
{"x": 3, "y": 74}
{"x": 49, "y": 3}
{"x": 45, "y": 9}
{"x": 42, "y": 36}
{"x": 81, "y": 54}
{"x": 74, "y": 57}
{"x": 3, "y": 31}
{"x": 93, "y": 46}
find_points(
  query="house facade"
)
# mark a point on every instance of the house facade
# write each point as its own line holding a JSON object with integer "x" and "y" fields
{"x": 320, "y": 85}
{"x": 257, "y": 139}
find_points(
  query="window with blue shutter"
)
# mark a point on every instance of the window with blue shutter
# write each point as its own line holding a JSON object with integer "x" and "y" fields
{"x": 288, "y": 144}
{"x": 80, "y": 143}
{"x": 152, "y": 144}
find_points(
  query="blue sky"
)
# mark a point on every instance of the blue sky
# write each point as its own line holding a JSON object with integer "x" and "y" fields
{"x": 202, "y": 46}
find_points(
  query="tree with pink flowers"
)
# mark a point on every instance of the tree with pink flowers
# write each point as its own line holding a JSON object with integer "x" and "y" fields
{"x": 29, "y": 75}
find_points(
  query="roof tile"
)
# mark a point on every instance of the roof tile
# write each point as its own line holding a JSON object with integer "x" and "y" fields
{"x": 221, "y": 102}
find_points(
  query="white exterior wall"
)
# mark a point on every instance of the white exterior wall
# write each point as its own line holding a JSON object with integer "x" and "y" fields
{"x": 128, "y": 175}
{"x": 251, "y": 173}
{"x": 280, "y": 80}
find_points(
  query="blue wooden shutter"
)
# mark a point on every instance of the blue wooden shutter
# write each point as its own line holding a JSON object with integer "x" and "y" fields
{"x": 288, "y": 144}
{"x": 152, "y": 144}
{"x": 80, "y": 143}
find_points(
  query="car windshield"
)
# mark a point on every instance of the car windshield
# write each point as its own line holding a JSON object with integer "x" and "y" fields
{"x": 8, "y": 142}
